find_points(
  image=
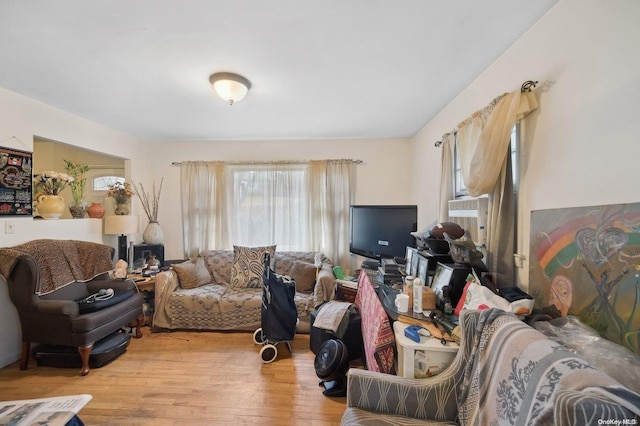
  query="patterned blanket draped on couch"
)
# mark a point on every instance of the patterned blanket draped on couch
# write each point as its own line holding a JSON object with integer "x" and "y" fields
{"x": 506, "y": 373}
{"x": 218, "y": 305}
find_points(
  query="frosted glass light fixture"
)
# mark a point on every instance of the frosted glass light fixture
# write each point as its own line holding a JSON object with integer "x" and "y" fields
{"x": 229, "y": 86}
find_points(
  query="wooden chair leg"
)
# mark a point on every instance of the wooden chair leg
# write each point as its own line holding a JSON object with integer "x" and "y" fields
{"x": 24, "y": 357}
{"x": 139, "y": 324}
{"x": 85, "y": 351}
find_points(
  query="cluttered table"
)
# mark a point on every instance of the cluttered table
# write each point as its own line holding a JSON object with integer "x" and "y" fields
{"x": 387, "y": 294}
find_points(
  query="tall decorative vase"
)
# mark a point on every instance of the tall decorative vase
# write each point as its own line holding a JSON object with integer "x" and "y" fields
{"x": 152, "y": 233}
{"x": 78, "y": 210}
{"x": 96, "y": 210}
{"x": 50, "y": 206}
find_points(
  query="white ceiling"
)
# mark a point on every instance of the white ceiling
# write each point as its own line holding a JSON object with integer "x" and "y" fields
{"x": 319, "y": 69}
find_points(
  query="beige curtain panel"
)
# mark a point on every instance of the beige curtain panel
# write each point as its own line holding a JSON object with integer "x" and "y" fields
{"x": 483, "y": 139}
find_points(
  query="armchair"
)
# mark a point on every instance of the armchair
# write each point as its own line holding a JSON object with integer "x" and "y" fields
{"x": 505, "y": 372}
{"x": 54, "y": 317}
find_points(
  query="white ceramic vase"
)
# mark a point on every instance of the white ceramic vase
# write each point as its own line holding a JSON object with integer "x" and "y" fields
{"x": 152, "y": 233}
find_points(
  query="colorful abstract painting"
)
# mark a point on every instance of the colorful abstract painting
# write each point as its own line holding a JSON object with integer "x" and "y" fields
{"x": 585, "y": 261}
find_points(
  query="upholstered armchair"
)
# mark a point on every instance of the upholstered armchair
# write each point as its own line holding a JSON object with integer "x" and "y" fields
{"x": 505, "y": 372}
{"x": 54, "y": 317}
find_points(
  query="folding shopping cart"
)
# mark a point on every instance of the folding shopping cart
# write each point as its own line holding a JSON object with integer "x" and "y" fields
{"x": 279, "y": 315}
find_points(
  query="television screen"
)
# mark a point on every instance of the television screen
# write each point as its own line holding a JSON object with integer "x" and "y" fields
{"x": 382, "y": 231}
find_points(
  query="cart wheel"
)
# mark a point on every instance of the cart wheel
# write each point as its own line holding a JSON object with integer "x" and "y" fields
{"x": 268, "y": 353}
{"x": 258, "y": 337}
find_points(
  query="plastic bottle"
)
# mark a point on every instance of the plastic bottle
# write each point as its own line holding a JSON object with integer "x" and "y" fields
{"x": 408, "y": 288}
{"x": 417, "y": 296}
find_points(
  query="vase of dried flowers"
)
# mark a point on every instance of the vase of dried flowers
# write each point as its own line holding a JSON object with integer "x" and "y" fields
{"x": 152, "y": 233}
{"x": 121, "y": 192}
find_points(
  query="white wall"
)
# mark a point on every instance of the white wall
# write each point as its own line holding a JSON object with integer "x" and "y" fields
{"x": 381, "y": 179}
{"x": 580, "y": 147}
{"x": 384, "y": 177}
{"x": 25, "y": 118}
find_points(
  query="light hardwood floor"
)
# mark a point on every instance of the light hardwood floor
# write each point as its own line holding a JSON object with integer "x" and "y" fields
{"x": 194, "y": 378}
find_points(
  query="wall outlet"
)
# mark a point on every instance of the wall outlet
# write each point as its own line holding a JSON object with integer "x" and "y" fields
{"x": 9, "y": 227}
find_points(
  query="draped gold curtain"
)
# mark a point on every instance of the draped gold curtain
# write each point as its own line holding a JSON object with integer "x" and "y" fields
{"x": 483, "y": 147}
{"x": 446, "y": 175}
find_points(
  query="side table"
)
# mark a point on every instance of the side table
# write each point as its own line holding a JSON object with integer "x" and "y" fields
{"x": 431, "y": 356}
{"x": 346, "y": 293}
{"x": 146, "y": 286}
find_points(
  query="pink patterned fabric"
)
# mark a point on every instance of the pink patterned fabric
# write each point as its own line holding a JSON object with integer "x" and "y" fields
{"x": 377, "y": 334}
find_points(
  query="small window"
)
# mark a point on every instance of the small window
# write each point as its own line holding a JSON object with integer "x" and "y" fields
{"x": 102, "y": 183}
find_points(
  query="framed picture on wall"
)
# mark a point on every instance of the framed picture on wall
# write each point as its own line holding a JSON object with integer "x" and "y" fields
{"x": 16, "y": 182}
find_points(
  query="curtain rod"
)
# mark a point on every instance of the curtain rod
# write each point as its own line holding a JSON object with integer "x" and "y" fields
{"x": 241, "y": 162}
{"x": 527, "y": 86}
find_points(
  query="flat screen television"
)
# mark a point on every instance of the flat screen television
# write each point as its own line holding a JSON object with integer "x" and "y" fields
{"x": 382, "y": 231}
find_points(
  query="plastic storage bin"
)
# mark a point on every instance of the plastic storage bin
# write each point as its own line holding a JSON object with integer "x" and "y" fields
{"x": 424, "y": 359}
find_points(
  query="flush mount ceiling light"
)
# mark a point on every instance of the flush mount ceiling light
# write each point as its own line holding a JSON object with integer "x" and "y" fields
{"x": 229, "y": 86}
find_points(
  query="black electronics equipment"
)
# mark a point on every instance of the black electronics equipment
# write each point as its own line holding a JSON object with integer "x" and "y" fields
{"x": 379, "y": 232}
{"x": 104, "y": 351}
{"x": 144, "y": 251}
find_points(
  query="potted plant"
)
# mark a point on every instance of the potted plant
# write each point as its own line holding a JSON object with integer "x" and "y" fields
{"x": 48, "y": 186}
{"x": 78, "y": 172}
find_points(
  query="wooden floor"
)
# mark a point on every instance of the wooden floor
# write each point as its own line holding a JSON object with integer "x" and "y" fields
{"x": 194, "y": 378}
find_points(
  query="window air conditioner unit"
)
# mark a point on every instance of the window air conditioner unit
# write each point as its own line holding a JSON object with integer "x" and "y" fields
{"x": 471, "y": 214}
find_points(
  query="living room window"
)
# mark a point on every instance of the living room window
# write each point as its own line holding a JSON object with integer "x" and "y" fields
{"x": 268, "y": 204}
{"x": 297, "y": 205}
{"x": 102, "y": 183}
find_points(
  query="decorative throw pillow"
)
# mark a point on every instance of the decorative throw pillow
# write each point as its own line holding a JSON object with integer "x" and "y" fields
{"x": 192, "y": 273}
{"x": 248, "y": 266}
{"x": 304, "y": 274}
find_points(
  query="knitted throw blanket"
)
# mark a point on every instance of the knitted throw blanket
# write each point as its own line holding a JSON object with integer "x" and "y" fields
{"x": 60, "y": 262}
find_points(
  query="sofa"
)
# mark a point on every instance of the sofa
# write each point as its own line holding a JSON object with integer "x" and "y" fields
{"x": 208, "y": 293}
{"x": 505, "y": 373}
{"x": 45, "y": 279}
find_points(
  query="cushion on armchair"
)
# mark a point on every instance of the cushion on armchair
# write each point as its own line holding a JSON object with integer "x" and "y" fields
{"x": 248, "y": 266}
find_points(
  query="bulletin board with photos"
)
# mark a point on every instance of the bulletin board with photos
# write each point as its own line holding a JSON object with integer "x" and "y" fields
{"x": 16, "y": 182}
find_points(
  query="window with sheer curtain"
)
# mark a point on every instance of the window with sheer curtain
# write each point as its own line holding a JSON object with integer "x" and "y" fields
{"x": 268, "y": 204}
{"x": 297, "y": 206}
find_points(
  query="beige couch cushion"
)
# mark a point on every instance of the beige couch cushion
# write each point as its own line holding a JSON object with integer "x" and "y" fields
{"x": 248, "y": 266}
{"x": 304, "y": 274}
{"x": 192, "y": 273}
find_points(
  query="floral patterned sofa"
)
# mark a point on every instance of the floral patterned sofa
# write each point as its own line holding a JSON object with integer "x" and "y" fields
{"x": 206, "y": 294}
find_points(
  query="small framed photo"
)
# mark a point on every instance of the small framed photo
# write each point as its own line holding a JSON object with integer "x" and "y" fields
{"x": 441, "y": 279}
{"x": 423, "y": 268}
{"x": 411, "y": 266}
